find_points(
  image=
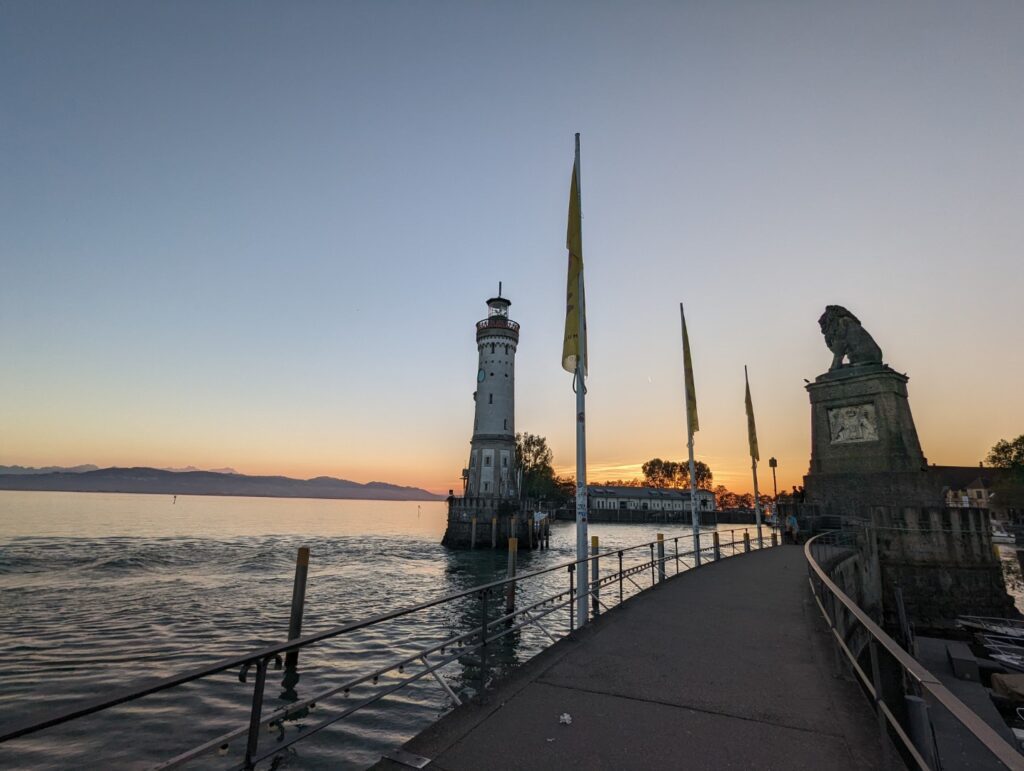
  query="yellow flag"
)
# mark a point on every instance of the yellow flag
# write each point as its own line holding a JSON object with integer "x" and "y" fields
{"x": 575, "y": 344}
{"x": 751, "y": 428}
{"x": 691, "y": 393}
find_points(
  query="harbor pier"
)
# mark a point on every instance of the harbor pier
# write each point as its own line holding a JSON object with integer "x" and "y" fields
{"x": 728, "y": 666}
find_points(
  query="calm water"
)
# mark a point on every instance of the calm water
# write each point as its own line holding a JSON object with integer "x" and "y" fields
{"x": 99, "y": 591}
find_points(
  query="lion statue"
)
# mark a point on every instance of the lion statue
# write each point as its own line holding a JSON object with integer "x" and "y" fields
{"x": 845, "y": 337}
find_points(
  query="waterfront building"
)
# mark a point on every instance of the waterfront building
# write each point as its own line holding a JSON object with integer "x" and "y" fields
{"x": 613, "y": 503}
{"x": 488, "y": 511}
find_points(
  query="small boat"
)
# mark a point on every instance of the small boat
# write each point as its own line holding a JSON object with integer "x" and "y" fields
{"x": 1002, "y": 627}
{"x": 1000, "y": 534}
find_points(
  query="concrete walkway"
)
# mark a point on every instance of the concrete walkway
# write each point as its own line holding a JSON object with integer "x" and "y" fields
{"x": 723, "y": 667}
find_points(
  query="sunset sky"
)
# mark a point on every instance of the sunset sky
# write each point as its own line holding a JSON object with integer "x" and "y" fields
{"x": 259, "y": 235}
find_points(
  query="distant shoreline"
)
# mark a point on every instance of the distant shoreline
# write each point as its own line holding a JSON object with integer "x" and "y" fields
{"x": 151, "y": 481}
{"x": 436, "y": 499}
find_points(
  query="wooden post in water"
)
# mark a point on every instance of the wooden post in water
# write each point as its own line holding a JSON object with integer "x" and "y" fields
{"x": 298, "y": 603}
{"x": 510, "y": 587}
{"x": 494, "y": 531}
{"x": 746, "y": 541}
{"x": 718, "y": 548}
{"x": 530, "y": 524}
{"x": 472, "y": 533}
{"x": 595, "y": 586}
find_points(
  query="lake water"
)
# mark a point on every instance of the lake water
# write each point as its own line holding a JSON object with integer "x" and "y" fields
{"x": 100, "y": 591}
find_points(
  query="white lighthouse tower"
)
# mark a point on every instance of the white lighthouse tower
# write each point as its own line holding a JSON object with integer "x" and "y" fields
{"x": 492, "y": 455}
{"x": 491, "y": 477}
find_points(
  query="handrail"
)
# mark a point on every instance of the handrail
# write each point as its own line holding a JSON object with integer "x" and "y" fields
{"x": 981, "y": 730}
{"x": 267, "y": 653}
{"x": 476, "y": 639}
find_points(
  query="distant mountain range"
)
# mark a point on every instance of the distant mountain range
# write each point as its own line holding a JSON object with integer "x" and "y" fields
{"x": 47, "y": 469}
{"x": 183, "y": 482}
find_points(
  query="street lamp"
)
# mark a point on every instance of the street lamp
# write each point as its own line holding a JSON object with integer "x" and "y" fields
{"x": 774, "y": 464}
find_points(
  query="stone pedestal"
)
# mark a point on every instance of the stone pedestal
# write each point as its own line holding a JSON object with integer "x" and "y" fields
{"x": 864, "y": 446}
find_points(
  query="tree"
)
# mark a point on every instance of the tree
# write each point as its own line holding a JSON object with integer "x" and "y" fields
{"x": 1008, "y": 455}
{"x": 668, "y": 473}
{"x": 533, "y": 458}
{"x": 1008, "y": 488}
{"x": 725, "y": 499}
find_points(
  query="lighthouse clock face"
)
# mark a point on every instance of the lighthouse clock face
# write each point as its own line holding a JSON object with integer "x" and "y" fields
{"x": 480, "y": 375}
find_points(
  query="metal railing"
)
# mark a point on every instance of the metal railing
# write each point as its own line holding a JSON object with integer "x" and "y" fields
{"x": 914, "y": 692}
{"x": 503, "y": 607}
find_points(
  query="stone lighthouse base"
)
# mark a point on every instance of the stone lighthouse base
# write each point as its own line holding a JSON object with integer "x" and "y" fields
{"x": 488, "y": 523}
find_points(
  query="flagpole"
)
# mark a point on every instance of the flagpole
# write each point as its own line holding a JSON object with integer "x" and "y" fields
{"x": 582, "y": 584}
{"x": 753, "y": 469}
{"x": 694, "y": 517}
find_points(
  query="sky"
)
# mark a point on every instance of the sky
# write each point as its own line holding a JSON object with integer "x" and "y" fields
{"x": 259, "y": 235}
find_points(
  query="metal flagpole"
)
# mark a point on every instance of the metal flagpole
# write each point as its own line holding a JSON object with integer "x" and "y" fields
{"x": 582, "y": 583}
{"x": 694, "y": 516}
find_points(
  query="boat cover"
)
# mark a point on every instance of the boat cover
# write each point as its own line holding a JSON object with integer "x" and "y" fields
{"x": 1009, "y": 686}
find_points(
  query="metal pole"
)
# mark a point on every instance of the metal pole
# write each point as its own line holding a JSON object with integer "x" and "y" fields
{"x": 253, "y": 739}
{"x": 483, "y": 642}
{"x": 595, "y": 604}
{"x": 661, "y": 557}
{"x": 883, "y": 731}
{"x": 620, "y": 578}
{"x": 757, "y": 504}
{"x": 581, "y": 426}
{"x": 510, "y": 587}
{"x": 652, "y": 564}
{"x": 572, "y": 590}
{"x": 291, "y": 658}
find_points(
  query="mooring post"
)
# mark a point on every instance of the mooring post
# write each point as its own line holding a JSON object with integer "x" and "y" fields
{"x": 775, "y": 541}
{"x": 529, "y": 531}
{"x": 510, "y": 587}
{"x": 746, "y": 542}
{"x": 494, "y": 531}
{"x": 717, "y": 546}
{"x": 661, "y": 557}
{"x": 595, "y": 587}
{"x": 291, "y": 659}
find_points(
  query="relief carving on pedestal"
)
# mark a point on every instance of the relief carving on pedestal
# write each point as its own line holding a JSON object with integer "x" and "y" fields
{"x": 855, "y": 423}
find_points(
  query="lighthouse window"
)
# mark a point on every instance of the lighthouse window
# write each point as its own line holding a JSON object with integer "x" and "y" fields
{"x": 490, "y": 398}
{"x": 492, "y": 347}
{"x": 504, "y": 424}
{"x": 487, "y": 460}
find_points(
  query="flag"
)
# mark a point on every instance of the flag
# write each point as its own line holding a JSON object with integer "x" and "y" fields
{"x": 574, "y": 345}
{"x": 751, "y": 428}
{"x": 691, "y": 393}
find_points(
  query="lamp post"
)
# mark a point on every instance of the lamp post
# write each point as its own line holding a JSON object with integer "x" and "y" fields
{"x": 774, "y": 464}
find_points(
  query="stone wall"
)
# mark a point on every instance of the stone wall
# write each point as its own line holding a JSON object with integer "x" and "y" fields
{"x": 942, "y": 559}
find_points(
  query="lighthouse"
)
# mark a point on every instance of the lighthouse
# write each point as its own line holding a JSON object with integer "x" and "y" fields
{"x": 488, "y": 511}
{"x": 492, "y": 454}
